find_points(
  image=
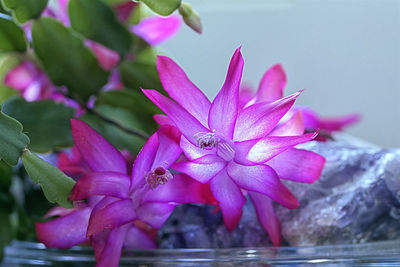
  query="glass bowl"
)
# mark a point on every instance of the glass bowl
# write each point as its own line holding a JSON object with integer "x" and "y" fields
{"x": 370, "y": 254}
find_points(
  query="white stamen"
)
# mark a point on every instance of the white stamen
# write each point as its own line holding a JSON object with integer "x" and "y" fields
{"x": 206, "y": 140}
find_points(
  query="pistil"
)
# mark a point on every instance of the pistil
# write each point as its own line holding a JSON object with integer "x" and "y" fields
{"x": 158, "y": 176}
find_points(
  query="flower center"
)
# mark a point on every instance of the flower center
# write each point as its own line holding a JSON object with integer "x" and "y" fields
{"x": 206, "y": 140}
{"x": 158, "y": 176}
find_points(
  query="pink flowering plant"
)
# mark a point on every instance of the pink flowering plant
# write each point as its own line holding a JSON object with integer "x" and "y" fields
{"x": 112, "y": 138}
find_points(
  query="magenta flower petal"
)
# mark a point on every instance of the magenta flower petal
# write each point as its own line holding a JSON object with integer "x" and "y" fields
{"x": 57, "y": 211}
{"x": 124, "y": 10}
{"x": 267, "y": 217}
{"x": 310, "y": 117}
{"x": 144, "y": 161}
{"x": 137, "y": 239}
{"x": 33, "y": 91}
{"x": 97, "y": 152}
{"x": 64, "y": 232}
{"x": 168, "y": 149}
{"x": 201, "y": 169}
{"x": 101, "y": 183}
{"x": 261, "y": 118}
{"x": 112, "y": 215}
{"x": 63, "y": 11}
{"x": 109, "y": 251}
{"x": 21, "y": 76}
{"x": 264, "y": 180}
{"x": 106, "y": 57}
{"x": 272, "y": 84}
{"x": 182, "y": 90}
{"x": 193, "y": 152}
{"x": 245, "y": 95}
{"x": 224, "y": 108}
{"x": 230, "y": 198}
{"x": 298, "y": 165}
{"x": 154, "y": 214}
{"x": 187, "y": 124}
{"x": 292, "y": 127}
{"x": 99, "y": 241}
{"x": 163, "y": 120}
{"x": 338, "y": 123}
{"x": 155, "y": 30}
{"x": 181, "y": 189}
{"x": 254, "y": 151}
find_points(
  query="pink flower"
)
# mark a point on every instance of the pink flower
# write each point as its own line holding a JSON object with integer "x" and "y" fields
{"x": 124, "y": 10}
{"x": 121, "y": 207}
{"x": 30, "y": 81}
{"x": 271, "y": 89}
{"x": 34, "y": 85}
{"x": 106, "y": 57}
{"x": 155, "y": 30}
{"x": 237, "y": 151}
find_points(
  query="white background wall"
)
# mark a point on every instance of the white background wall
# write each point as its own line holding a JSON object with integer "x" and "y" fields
{"x": 345, "y": 53}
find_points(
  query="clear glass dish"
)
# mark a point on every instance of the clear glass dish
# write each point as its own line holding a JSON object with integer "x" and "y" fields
{"x": 372, "y": 254}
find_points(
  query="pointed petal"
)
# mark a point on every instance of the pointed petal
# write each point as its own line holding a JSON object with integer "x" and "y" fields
{"x": 137, "y": 239}
{"x": 186, "y": 123}
{"x": 57, "y": 211}
{"x": 154, "y": 214}
{"x": 264, "y": 180}
{"x": 298, "y": 165}
{"x": 230, "y": 198}
{"x": 163, "y": 120}
{"x": 106, "y": 57}
{"x": 338, "y": 123}
{"x": 193, "y": 152}
{"x": 201, "y": 169}
{"x": 224, "y": 108}
{"x": 267, "y": 217}
{"x": 310, "y": 118}
{"x": 109, "y": 250}
{"x": 168, "y": 150}
{"x": 260, "y": 151}
{"x": 272, "y": 84}
{"x": 97, "y": 152}
{"x": 64, "y": 232}
{"x": 292, "y": 127}
{"x": 176, "y": 191}
{"x": 155, "y": 30}
{"x": 143, "y": 161}
{"x": 111, "y": 216}
{"x": 182, "y": 90}
{"x": 99, "y": 202}
{"x": 101, "y": 183}
{"x": 258, "y": 120}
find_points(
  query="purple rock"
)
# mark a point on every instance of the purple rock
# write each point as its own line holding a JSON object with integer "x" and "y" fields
{"x": 201, "y": 226}
{"x": 356, "y": 200}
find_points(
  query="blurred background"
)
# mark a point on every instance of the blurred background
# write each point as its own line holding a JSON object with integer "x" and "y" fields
{"x": 345, "y": 53}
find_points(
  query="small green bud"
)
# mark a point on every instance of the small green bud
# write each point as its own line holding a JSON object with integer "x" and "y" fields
{"x": 190, "y": 17}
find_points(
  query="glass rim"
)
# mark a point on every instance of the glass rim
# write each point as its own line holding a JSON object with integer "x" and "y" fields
{"x": 382, "y": 251}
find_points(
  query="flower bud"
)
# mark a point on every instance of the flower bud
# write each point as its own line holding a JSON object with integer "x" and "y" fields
{"x": 190, "y": 17}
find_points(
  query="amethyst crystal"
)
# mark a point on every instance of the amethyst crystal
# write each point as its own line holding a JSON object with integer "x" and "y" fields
{"x": 202, "y": 226}
{"x": 356, "y": 200}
